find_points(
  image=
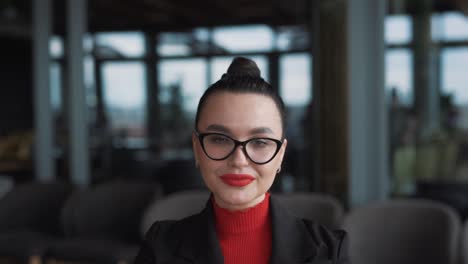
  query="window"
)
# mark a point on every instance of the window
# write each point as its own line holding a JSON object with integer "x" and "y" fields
{"x": 56, "y": 87}
{"x": 454, "y": 74}
{"x": 296, "y": 83}
{"x": 184, "y": 43}
{"x": 450, "y": 26}
{"x": 399, "y": 75}
{"x": 128, "y": 44}
{"x": 56, "y": 48}
{"x": 244, "y": 38}
{"x": 296, "y": 91}
{"x": 292, "y": 38}
{"x": 189, "y": 74}
{"x": 182, "y": 82}
{"x": 89, "y": 81}
{"x": 125, "y": 99}
{"x": 398, "y": 29}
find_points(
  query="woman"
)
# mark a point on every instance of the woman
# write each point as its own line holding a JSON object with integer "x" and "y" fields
{"x": 239, "y": 146}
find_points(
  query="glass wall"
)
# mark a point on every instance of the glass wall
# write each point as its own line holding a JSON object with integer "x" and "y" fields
{"x": 124, "y": 44}
{"x": 181, "y": 84}
{"x": 253, "y": 38}
{"x": 125, "y": 101}
{"x": 429, "y": 138}
{"x": 399, "y": 77}
{"x": 122, "y": 71}
{"x": 296, "y": 91}
{"x": 186, "y": 64}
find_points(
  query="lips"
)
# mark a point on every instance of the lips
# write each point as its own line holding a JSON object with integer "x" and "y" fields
{"x": 237, "y": 180}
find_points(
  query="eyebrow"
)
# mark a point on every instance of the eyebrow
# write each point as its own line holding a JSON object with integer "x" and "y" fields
{"x": 261, "y": 130}
{"x": 223, "y": 129}
{"x": 218, "y": 128}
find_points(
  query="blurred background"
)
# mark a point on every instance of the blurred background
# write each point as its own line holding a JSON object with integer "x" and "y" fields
{"x": 97, "y": 90}
{"x": 376, "y": 92}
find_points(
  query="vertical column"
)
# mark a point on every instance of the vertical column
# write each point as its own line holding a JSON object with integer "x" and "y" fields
{"x": 273, "y": 79}
{"x": 312, "y": 137}
{"x": 330, "y": 97}
{"x": 79, "y": 152}
{"x": 367, "y": 134}
{"x": 44, "y": 154}
{"x": 426, "y": 92}
{"x": 152, "y": 90}
{"x": 274, "y": 71}
{"x": 100, "y": 107}
{"x": 208, "y": 57}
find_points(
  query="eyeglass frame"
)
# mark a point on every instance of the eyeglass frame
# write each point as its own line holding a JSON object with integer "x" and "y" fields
{"x": 238, "y": 143}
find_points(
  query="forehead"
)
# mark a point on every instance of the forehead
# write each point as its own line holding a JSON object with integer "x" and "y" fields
{"x": 241, "y": 112}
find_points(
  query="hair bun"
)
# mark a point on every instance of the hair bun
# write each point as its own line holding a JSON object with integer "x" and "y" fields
{"x": 243, "y": 67}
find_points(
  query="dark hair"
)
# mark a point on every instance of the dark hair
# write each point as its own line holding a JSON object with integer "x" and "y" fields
{"x": 243, "y": 76}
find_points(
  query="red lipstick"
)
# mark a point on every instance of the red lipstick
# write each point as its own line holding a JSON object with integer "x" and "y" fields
{"x": 237, "y": 180}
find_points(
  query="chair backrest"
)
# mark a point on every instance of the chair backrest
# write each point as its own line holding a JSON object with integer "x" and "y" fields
{"x": 464, "y": 244}
{"x": 6, "y": 185}
{"x": 180, "y": 175}
{"x": 34, "y": 206}
{"x": 174, "y": 207}
{"x": 403, "y": 232}
{"x": 68, "y": 214}
{"x": 321, "y": 208}
{"x": 111, "y": 210}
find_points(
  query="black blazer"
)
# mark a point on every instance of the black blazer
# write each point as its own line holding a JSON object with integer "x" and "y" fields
{"x": 193, "y": 240}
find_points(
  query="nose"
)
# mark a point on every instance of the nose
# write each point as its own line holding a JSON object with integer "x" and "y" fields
{"x": 238, "y": 158}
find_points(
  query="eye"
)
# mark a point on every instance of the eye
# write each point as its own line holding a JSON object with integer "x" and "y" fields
{"x": 260, "y": 143}
{"x": 218, "y": 140}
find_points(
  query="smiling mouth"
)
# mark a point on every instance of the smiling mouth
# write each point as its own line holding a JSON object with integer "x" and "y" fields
{"x": 237, "y": 180}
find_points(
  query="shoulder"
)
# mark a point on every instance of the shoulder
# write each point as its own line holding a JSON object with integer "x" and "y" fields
{"x": 159, "y": 232}
{"x": 168, "y": 230}
{"x": 162, "y": 240}
{"x": 335, "y": 241}
{"x": 294, "y": 236}
{"x": 322, "y": 233}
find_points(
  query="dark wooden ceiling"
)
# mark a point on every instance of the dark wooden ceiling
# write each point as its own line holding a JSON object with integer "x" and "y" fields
{"x": 180, "y": 15}
{"x": 170, "y": 15}
{"x": 163, "y": 15}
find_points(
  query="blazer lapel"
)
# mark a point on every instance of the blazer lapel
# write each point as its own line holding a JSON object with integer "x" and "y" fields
{"x": 292, "y": 242}
{"x": 199, "y": 243}
{"x": 291, "y": 239}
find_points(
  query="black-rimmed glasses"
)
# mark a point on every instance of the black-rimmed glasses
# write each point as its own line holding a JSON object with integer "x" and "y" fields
{"x": 218, "y": 146}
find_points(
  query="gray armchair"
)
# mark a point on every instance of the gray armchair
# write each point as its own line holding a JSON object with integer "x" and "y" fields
{"x": 403, "y": 232}
{"x": 321, "y": 208}
{"x": 102, "y": 224}
{"x": 30, "y": 219}
{"x": 174, "y": 207}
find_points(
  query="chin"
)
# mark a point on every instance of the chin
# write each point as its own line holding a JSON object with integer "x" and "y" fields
{"x": 238, "y": 198}
{"x": 236, "y": 195}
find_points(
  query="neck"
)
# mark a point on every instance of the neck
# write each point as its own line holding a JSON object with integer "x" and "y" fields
{"x": 237, "y": 207}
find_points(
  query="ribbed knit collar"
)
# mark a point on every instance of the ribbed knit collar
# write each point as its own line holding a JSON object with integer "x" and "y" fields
{"x": 243, "y": 221}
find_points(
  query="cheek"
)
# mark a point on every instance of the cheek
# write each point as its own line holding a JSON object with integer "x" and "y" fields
{"x": 200, "y": 155}
{"x": 269, "y": 170}
{"x": 208, "y": 167}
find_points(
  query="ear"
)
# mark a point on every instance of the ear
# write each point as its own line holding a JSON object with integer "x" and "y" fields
{"x": 283, "y": 150}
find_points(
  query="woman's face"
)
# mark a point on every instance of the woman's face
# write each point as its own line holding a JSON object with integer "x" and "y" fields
{"x": 236, "y": 182}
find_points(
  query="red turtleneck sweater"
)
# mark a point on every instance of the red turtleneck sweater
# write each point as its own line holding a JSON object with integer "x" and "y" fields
{"x": 245, "y": 236}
